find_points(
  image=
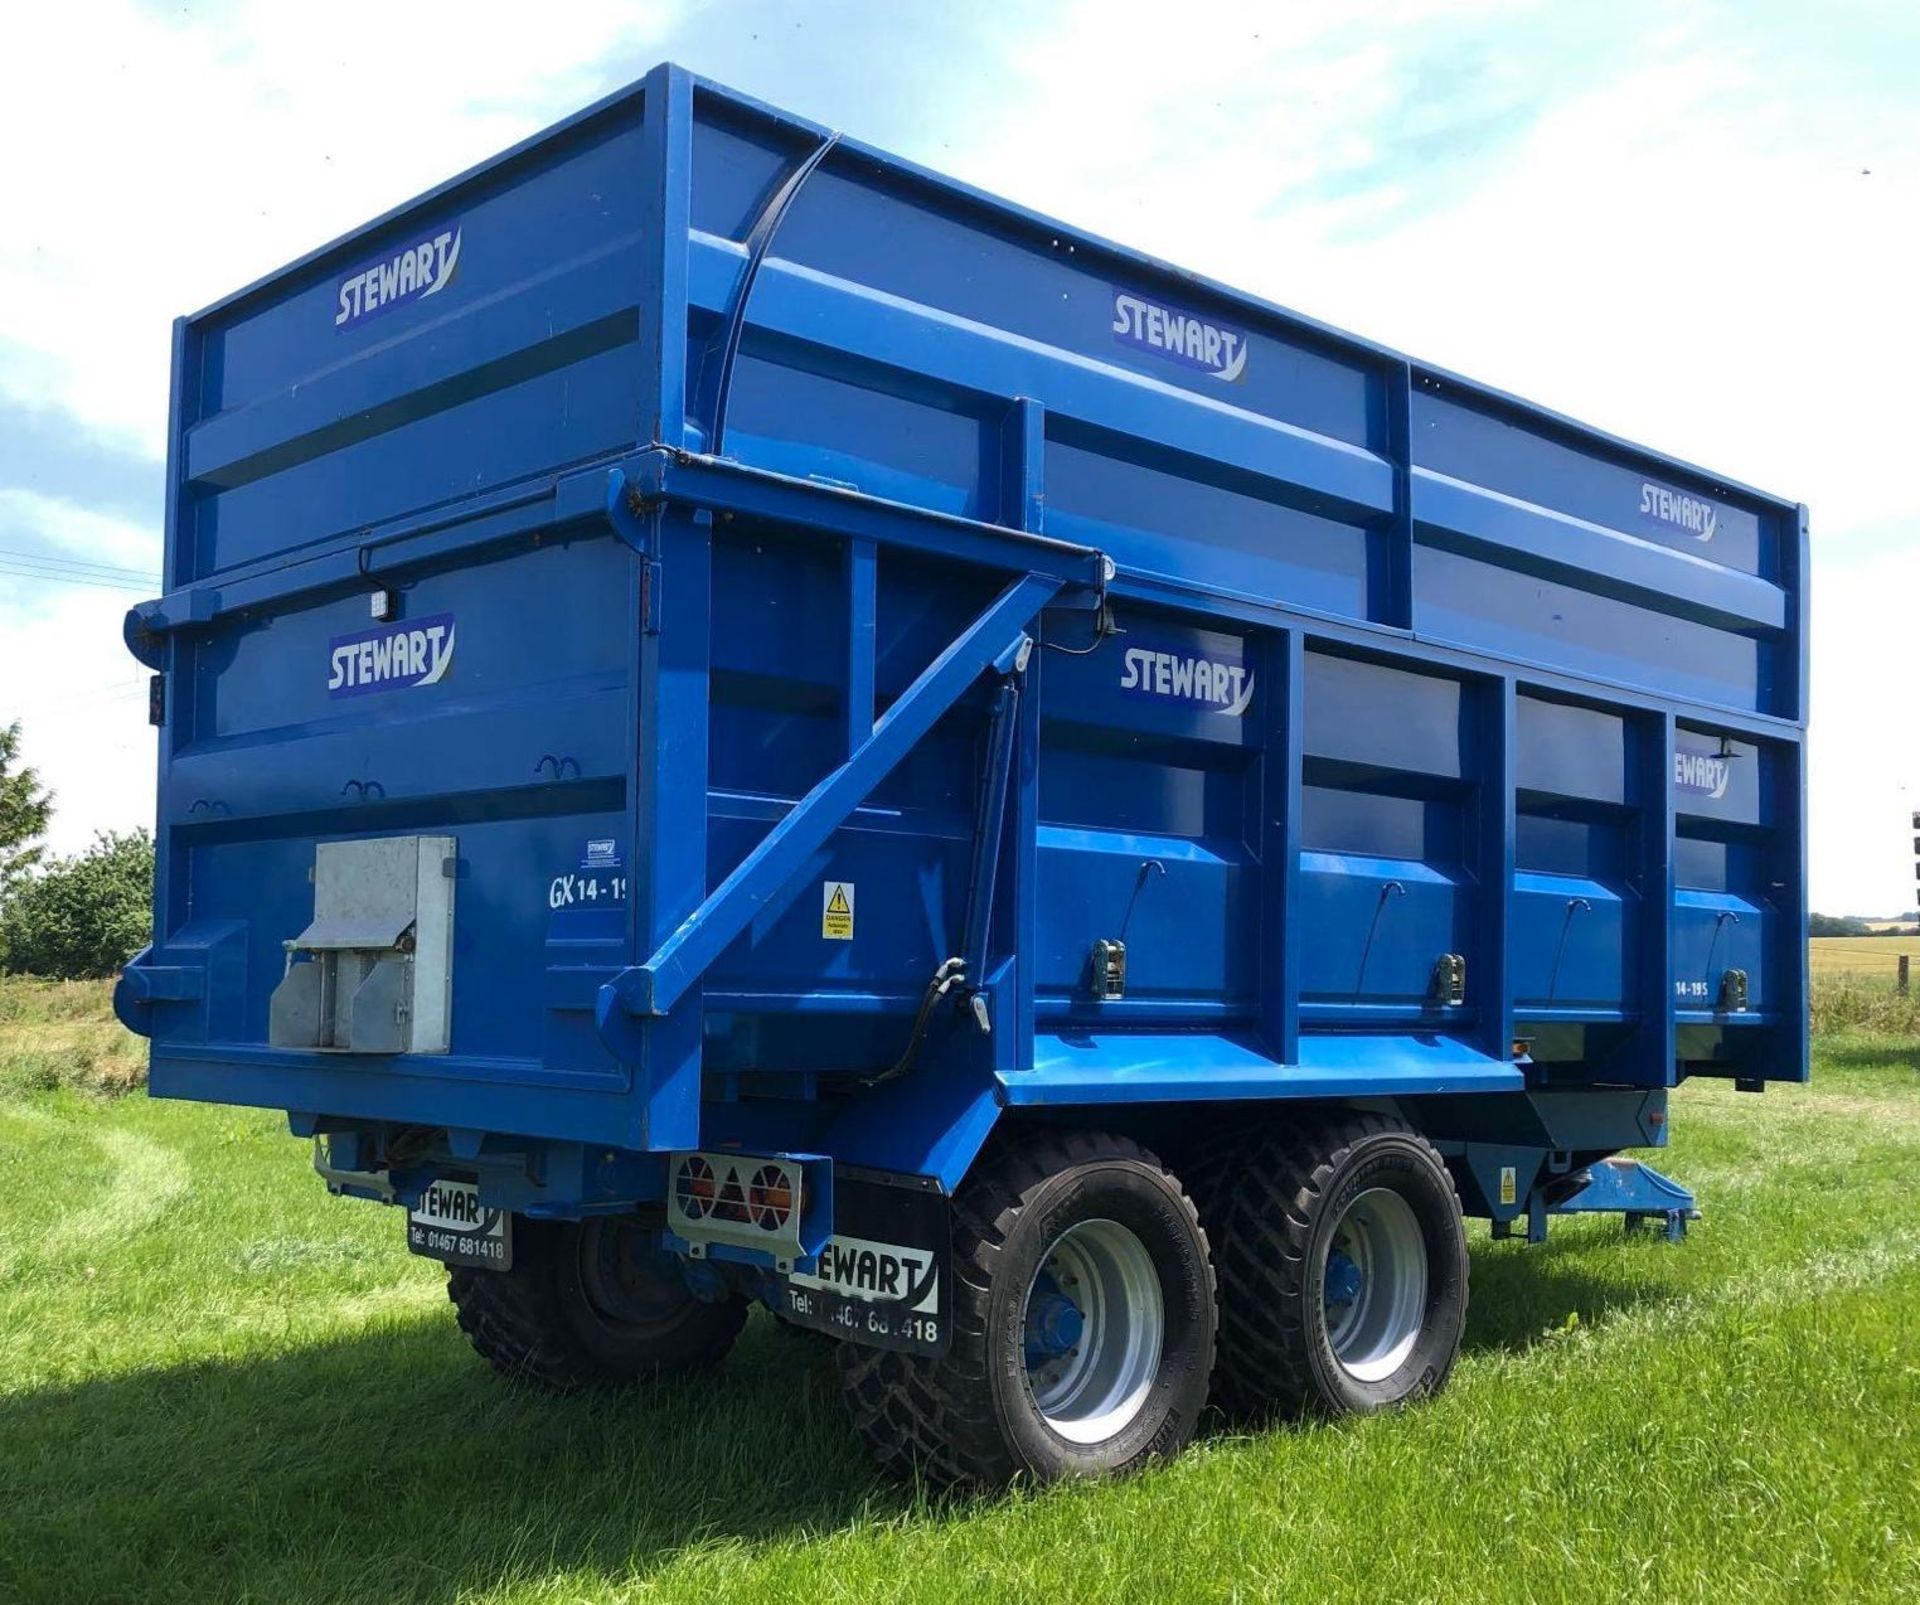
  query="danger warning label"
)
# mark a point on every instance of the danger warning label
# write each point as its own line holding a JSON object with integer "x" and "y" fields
{"x": 836, "y": 911}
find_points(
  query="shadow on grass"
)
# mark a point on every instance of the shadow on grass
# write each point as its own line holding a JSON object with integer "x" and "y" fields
{"x": 1523, "y": 1295}
{"x": 1868, "y": 1053}
{"x": 393, "y": 1465}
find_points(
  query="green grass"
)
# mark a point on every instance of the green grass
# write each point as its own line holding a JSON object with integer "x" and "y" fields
{"x": 1855, "y": 985}
{"x": 216, "y": 1382}
{"x": 63, "y": 1034}
{"x": 1848, "y": 1005}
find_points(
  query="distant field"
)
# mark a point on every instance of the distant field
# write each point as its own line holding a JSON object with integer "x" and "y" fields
{"x": 1863, "y": 955}
{"x": 63, "y": 1034}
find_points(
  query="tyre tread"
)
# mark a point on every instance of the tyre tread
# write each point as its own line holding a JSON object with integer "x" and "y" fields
{"x": 516, "y": 1321}
{"x": 930, "y": 1417}
{"x": 1259, "y": 1193}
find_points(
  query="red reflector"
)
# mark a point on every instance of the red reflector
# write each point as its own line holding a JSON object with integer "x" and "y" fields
{"x": 770, "y": 1197}
{"x": 694, "y": 1188}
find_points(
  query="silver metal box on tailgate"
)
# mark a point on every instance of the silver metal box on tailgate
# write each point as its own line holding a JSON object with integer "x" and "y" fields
{"x": 373, "y": 972}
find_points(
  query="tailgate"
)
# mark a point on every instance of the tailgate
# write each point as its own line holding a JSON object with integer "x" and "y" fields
{"x": 488, "y": 720}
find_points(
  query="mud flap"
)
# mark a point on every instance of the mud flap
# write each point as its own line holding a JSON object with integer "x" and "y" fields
{"x": 884, "y": 1277}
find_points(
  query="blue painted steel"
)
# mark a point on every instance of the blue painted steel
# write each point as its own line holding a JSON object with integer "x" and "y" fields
{"x": 743, "y": 463}
{"x": 1345, "y": 1280}
{"x": 764, "y": 881}
{"x": 1054, "y": 1322}
{"x": 1635, "y": 1190}
{"x": 1143, "y": 1066}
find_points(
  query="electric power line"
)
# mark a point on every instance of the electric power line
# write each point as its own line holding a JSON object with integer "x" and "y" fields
{"x": 54, "y": 565}
{"x": 61, "y": 560}
{"x": 51, "y": 577}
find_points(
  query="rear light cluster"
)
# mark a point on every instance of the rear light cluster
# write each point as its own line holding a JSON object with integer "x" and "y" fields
{"x": 770, "y": 1197}
{"x": 708, "y": 1188}
{"x": 694, "y": 1189}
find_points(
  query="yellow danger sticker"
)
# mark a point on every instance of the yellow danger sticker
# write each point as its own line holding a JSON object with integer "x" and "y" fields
{"x": 836, "y": 911}
{"x": 1509, "y": 1185}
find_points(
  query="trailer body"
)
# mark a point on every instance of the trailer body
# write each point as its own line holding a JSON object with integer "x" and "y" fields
{"x": 642, "y": 616}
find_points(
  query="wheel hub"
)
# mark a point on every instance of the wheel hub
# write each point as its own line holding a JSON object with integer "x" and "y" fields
{"x": 1374, "y": 1285}
{"x": 1345, "y": 1279}
{"x": 1055, "y": 1324}
{"x": 1092, "y": 1330}
{"x": 628, "y": 1280}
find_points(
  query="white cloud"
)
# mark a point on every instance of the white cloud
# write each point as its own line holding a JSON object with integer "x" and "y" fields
{"x": 1864, "y": 743}
{"x": 1677, "y": 250}
{"x": 160, "y": 163}
{"x": 155, "y": 163}
{"x": 1683, "y": 250}
{"x": 83, "y": 715}
{"x": 80, "y": 698}
{"x": 1653, "y": 219}
{"x": 77, "y": 532}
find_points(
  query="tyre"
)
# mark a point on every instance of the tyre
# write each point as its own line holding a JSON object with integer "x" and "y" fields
{"x": 1082, "y": 1318}
{"x": 587, "y": 1304}
{"x": 1342, "y": 1264}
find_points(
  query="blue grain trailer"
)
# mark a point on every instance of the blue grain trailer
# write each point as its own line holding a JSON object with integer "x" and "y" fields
{"x": 740, "y": 721}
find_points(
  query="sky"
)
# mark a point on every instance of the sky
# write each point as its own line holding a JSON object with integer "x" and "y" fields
{"x": 1696, "y": 225}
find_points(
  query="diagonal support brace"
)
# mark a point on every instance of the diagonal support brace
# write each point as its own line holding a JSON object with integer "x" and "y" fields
{"x": 765, "y": 880}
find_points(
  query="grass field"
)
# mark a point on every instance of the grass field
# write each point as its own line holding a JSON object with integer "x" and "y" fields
{"x": 1876, "y": 956}
{"x": 63, "y": 1034}
{"x": 216, "y": 1382}
{"x": 1854, "y": 988}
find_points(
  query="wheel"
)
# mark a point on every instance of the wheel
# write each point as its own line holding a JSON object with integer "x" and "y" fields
{"x": 1342, "y": 1264}
{"x": 589, "y": 1304}
{"x": 1082, "y": 1317}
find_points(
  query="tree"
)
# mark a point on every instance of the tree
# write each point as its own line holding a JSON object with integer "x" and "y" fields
{"x": 85, "y": 915}
{"x": 24, "y": 811}
{"x": 1837, "y": 925}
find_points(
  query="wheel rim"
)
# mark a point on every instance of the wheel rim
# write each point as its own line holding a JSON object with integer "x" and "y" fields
{"x": 627, "y": 1280}
{"x": 1093, "y": 1327}
{"x": 1375, "y": 1285}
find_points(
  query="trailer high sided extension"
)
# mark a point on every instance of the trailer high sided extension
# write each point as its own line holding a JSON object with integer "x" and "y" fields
{"x": 740, "y": 721}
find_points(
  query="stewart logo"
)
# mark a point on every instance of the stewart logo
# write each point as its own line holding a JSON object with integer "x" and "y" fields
{"x": 1215, "y": 682}
{"x": 1213, "y": 348}
{"x": 1688, "y": 514}
{"x": 418, "y": 652}
{"x": 420, "y": 270}
{"x": 879, "y": 1272}
{"x": 456, "y": 1206}
{"x": 1703, "y": 773}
